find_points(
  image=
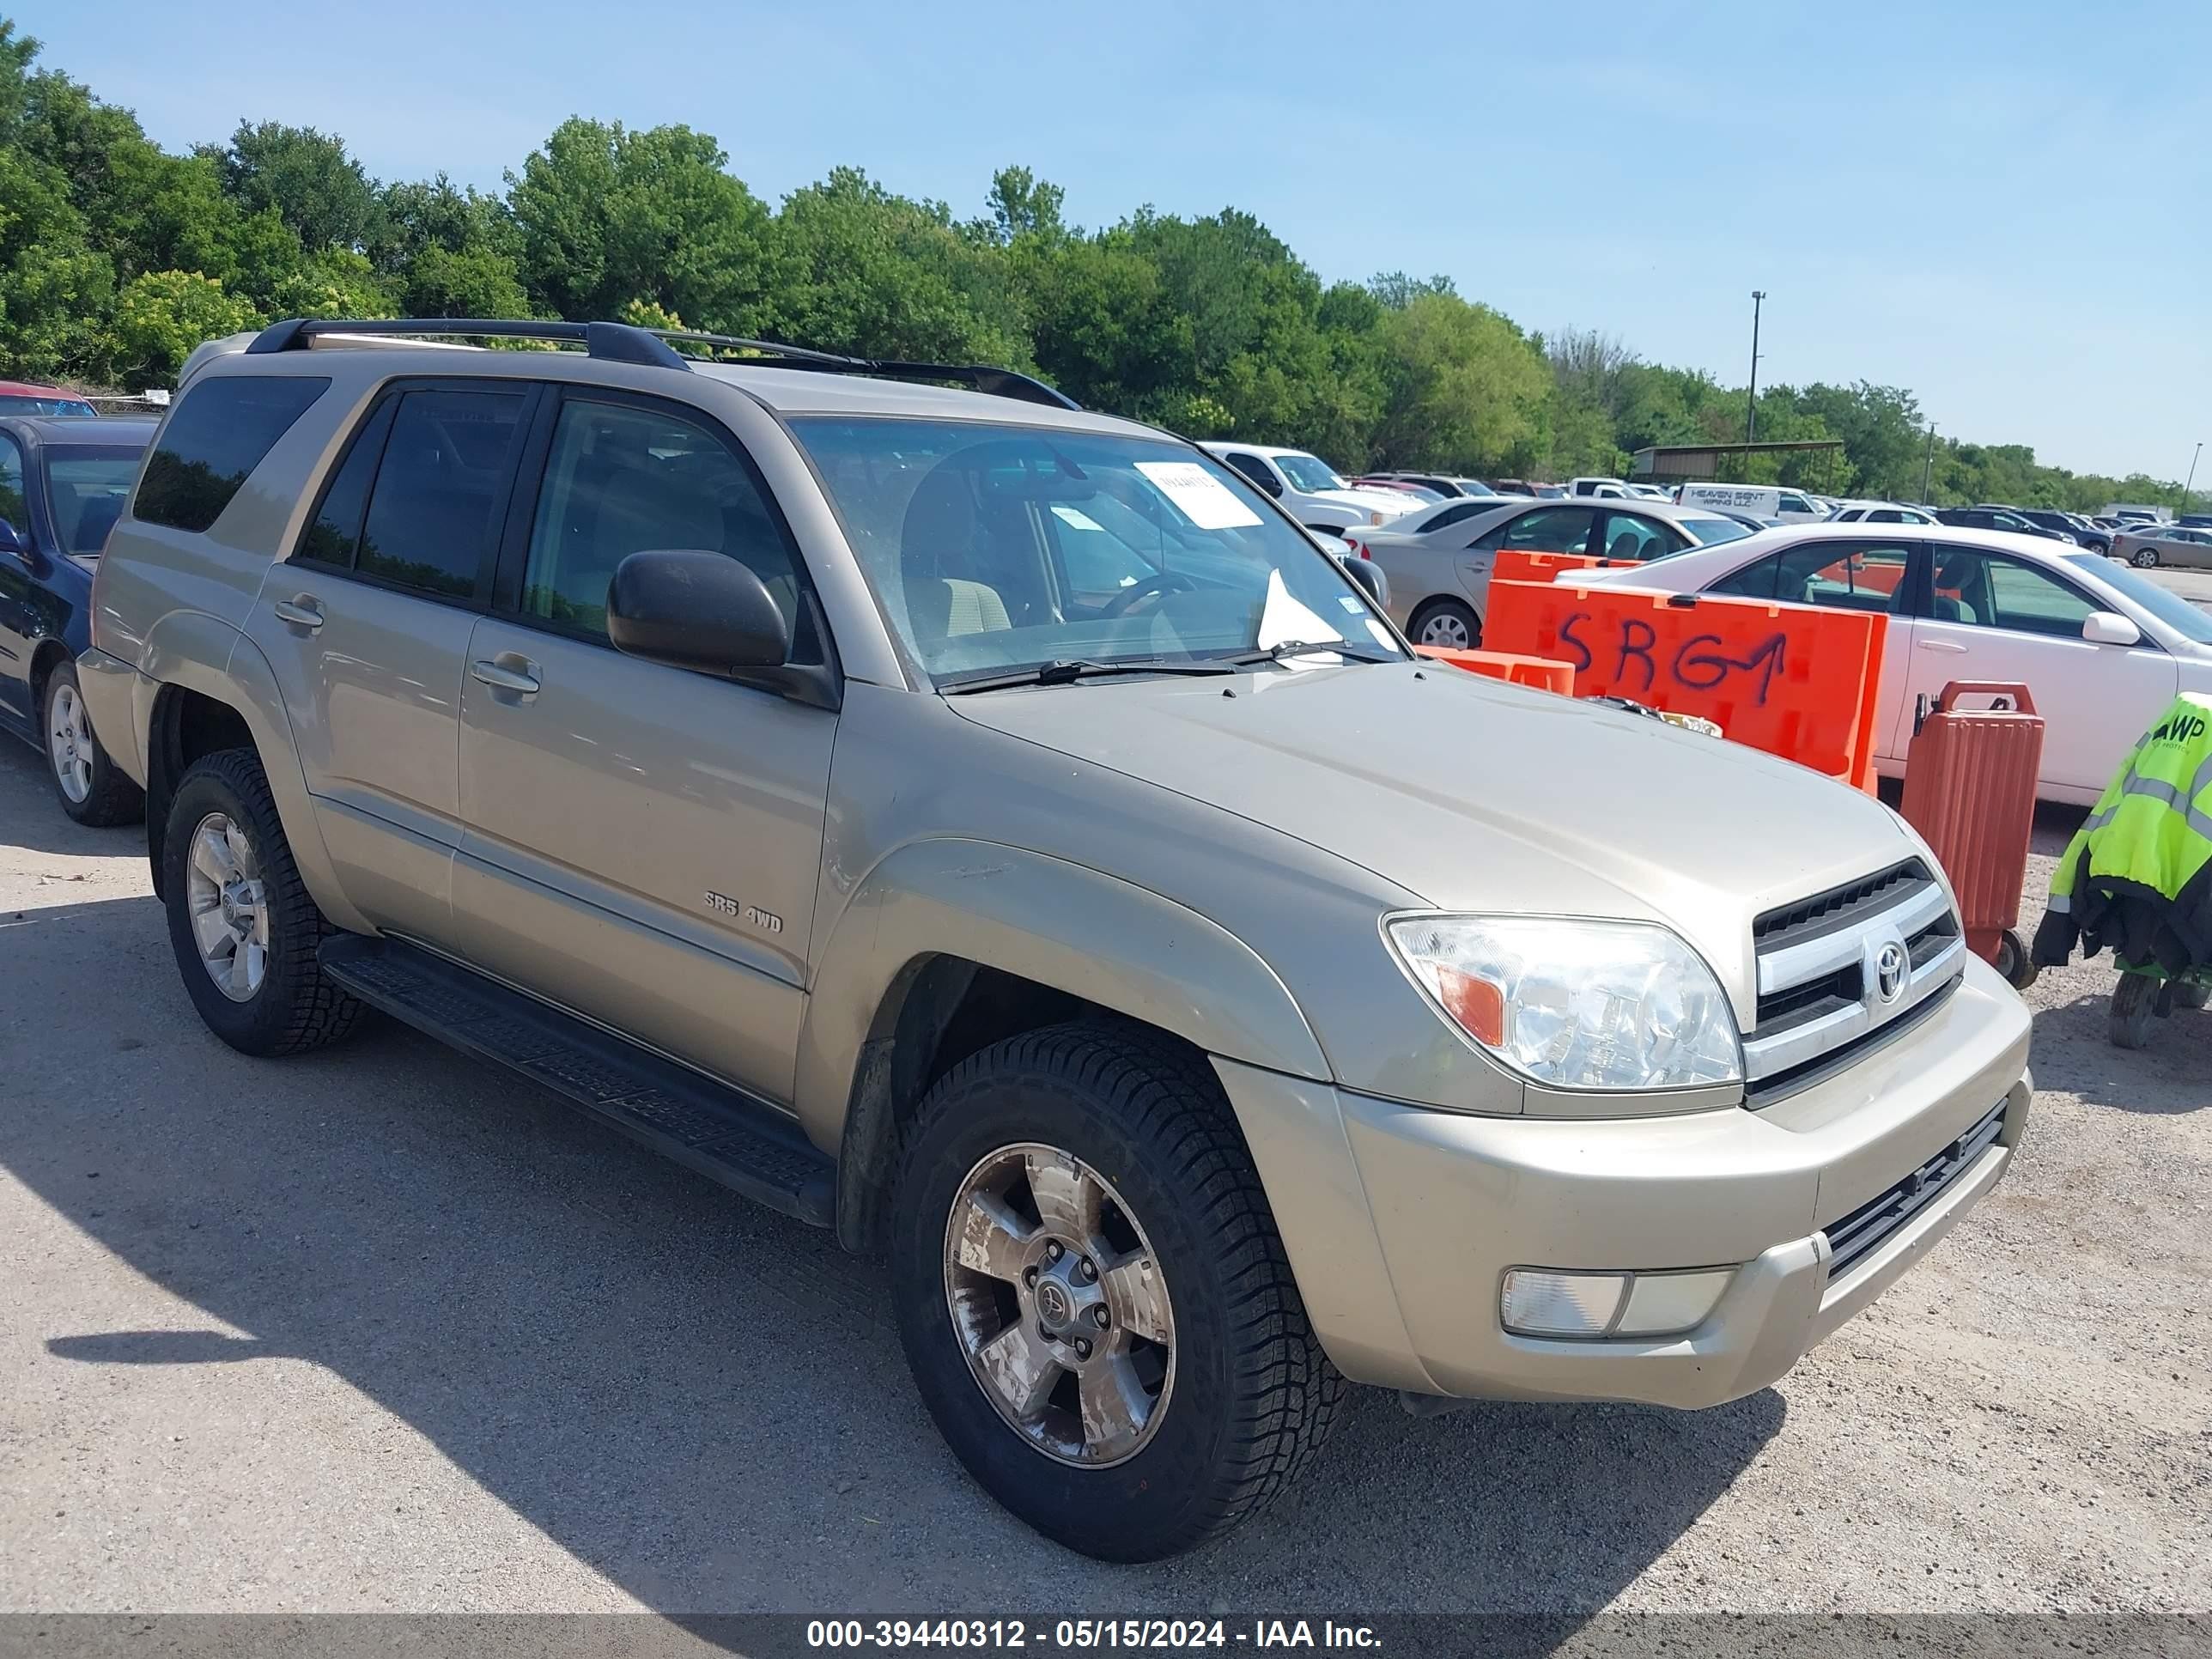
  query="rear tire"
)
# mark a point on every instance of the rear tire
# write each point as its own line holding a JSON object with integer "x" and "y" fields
{"x": 1202, "y": 1427}
{"x": 90, "y": 787}
{"x": 1448, "y": 624}
{"x": 241, "y": 920}
{"x": 2187, "y": 994}
{"x": 2144, "y": 558}
{"x": 2134, "y": 1011}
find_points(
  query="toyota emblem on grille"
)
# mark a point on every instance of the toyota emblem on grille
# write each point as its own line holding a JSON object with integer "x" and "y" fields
{"x": 1889, "y": 965}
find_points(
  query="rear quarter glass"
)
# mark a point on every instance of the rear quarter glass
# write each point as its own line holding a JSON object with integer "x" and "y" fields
{"x": 217, "y": 434}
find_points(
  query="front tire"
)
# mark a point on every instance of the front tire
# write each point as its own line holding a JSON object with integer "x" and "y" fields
{"x": 1448, "y": 624}
{"x": 91, "y": 788}
{"x": 1093, "y": 1298}
{"x": 241, "y": 922}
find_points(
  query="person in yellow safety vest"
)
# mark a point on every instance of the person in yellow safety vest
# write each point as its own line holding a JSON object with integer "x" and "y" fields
{"x": 2137, "y": 876}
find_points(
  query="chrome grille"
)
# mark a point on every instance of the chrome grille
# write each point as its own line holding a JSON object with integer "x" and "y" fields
{"x": 1821, "y": 999}
{"x": 1853, "y": 1237}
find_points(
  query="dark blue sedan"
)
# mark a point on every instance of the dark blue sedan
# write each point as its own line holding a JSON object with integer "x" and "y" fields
{"x": 62, "y": 485}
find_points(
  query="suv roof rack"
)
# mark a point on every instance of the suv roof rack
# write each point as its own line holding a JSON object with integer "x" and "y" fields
{"x": 625, "y": 343}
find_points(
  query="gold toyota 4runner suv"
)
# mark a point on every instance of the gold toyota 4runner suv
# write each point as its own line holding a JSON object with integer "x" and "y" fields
{"x": 999, "y": 833}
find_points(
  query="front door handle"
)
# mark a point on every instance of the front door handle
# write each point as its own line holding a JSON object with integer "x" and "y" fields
{"x": 1948, "y": 648}
{"x": 515, "y": 674}
{"x": 301, "y": 610}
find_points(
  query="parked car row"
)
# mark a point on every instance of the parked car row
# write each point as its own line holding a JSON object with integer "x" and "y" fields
{"x": 917, "y": 809}
{"x": 2103, "y": 648}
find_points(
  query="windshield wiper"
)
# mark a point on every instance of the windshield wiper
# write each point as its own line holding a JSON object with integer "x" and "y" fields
{"x": 1304, "y": 648}
{"x": 1068, "y": 671}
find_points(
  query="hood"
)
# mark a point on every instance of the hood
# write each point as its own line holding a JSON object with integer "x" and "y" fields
{"x": 1368, "y": 501}
{"x": 1479, "y": 795}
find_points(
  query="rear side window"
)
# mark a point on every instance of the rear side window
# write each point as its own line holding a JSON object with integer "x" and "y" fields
{"x": 215, "y": 438}
{"x": 443, "y": 473}
{"x": 335, "y": 535}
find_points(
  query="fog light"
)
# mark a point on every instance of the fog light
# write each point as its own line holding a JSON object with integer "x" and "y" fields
{"x": 1667, "y": 1305}
{"x": 1533, "y": 1303}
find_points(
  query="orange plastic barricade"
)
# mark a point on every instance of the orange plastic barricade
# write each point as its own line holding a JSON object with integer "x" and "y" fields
{"x": 1799, "y": 681}
{"x": 1518, "y": 564}
{"x": 1539, "y": 671}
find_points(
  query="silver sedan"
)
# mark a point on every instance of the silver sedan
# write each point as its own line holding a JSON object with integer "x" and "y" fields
{"x": 1438, "y": 559}
{"x": 2144, "y": 544}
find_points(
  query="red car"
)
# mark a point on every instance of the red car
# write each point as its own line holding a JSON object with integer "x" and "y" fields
{"x": 21, "y": 398}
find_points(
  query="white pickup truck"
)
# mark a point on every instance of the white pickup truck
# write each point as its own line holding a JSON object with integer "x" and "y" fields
{"x": 1310, "y": 489}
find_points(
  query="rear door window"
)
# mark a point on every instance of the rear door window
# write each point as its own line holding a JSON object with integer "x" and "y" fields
{"x": 1840, "y": 575}
{"x": 1546, "y": 529}
{"x": 1631, "y": 536}
{"x": 444, "y": 473}
{"x": 216, "y": 436}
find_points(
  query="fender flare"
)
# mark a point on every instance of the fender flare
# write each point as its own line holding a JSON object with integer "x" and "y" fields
{"x": 1043, "y": 919}
{"x": 202, "y": 653}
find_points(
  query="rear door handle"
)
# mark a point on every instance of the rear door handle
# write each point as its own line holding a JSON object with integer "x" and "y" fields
{"x": 521, "y": 679}
{"x": 301, "y": 610}
{"x": 1948, "y": 648}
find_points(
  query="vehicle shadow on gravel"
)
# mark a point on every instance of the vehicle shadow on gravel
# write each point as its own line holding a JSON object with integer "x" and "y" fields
{"x": 704, "y": 1401}
{"x": 2071, "y": 1053}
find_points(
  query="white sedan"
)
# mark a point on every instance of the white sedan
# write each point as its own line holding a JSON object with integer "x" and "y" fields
{"x": 2101, "y": 649}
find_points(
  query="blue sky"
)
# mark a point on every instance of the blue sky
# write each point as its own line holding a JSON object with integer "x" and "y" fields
{"x": 2003, "y": 206}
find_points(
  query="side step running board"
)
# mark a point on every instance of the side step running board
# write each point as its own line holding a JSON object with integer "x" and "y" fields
{"x": 727, "y": 1136}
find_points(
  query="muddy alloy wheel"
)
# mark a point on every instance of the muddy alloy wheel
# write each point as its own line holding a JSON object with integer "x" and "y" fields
{"x": 1060, "y": 1305}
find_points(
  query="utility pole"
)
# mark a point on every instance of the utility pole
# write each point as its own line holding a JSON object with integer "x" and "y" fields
{"x": 2193, "y": 460}
{"x": 1751, "y": 398}
{"x": 1927, "y": 471}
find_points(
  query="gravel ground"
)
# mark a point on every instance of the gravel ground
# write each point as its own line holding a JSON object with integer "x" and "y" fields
{"x": 379, "y": 1329}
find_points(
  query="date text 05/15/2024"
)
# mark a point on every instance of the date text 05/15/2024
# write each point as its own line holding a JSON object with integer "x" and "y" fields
{"x": 1084, "y": 1634}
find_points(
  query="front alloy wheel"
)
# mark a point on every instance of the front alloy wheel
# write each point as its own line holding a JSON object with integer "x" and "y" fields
{"x": 229, "y": 908}
{"x": 69, "y": 744}
{"x": 1060, "y": 1305}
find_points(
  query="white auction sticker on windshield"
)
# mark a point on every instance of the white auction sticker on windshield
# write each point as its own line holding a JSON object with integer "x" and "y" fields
{"x": 1199, "y": 495}
{"x": 1073, "y": 518}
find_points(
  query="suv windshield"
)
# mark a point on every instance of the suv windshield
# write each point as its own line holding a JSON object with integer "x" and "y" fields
{"x": 995, "y": 548}
{"x": 1308, "y": 473}
{"x": 86, "y": 487}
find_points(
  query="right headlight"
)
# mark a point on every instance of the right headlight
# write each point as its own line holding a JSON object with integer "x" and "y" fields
{"x": 1570, "y": 1003}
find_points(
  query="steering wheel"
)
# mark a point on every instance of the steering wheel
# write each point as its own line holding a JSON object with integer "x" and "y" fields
{"x": 1165, "y": 581}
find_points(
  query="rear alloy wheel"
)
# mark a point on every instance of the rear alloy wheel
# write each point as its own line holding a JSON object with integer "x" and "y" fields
{"x": 1093, "y": 1298}
{"x": 242, "y": 924}
{"x": 92, "y": 790}
{"x": 1448, "y": 623}
{"x": 2143, "y": 558}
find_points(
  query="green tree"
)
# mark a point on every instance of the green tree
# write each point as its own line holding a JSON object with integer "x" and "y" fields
{"x": 161, "y": 317}
{"x": 859, "y": 269}
{"x": 1466, "y": 389}
{"x": 605, "y": 215}
{"x": 321, "y": 193}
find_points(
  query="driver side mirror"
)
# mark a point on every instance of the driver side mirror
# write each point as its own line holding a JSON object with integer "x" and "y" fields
{"x": 688, "y": 609}
{"x": 1270, "y": 483}
{"x": 2109, "y": 628}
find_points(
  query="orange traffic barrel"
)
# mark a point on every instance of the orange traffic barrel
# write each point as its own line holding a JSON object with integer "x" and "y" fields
{"x": 1970, "y": 791}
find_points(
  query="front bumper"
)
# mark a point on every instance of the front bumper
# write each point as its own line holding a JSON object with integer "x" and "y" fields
{"x": 1400, "y": 1221}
